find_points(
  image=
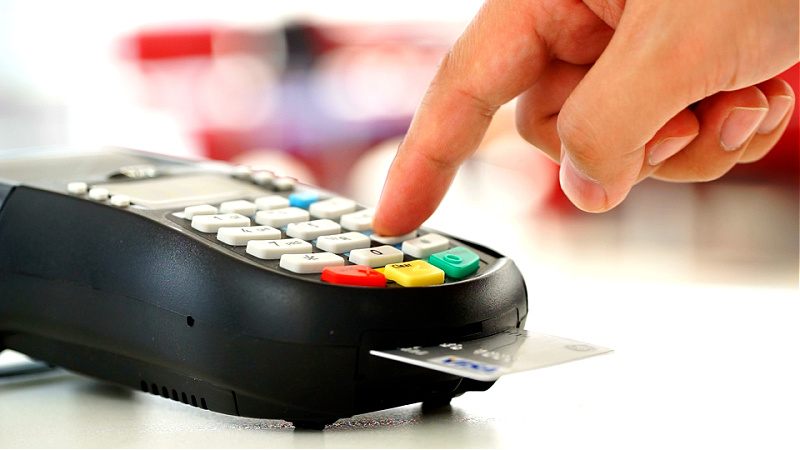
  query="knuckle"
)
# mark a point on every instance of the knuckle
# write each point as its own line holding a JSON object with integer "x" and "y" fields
{"x": 539, "y": 131}
{"x": 580, "y": 138}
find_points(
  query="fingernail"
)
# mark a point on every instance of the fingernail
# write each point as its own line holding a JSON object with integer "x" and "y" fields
{"x": 739, "y": 126}
{"x": 586, "y": 193}
{"x": 668, "y": 147}
{"x": 779, "y": 106}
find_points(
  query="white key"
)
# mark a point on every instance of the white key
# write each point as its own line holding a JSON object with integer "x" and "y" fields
{"x": 212, "y": 223}
{"x": 242, "y": 207}
{"x": 391, "y": 240}
{"x": 242, "y": 235}
{"x": 343, "y": 243}
{"x": 98, "y": 194}
{"x": 77, "y": 188}
{"x": 284, "y": 183}
{"x": 199, "y": 210}
{"x": 376, "y": 256}
{"x": 120, "y": 201}
{"x": 274, "y": 249}
{"x": 425, "y": 246}
{"x": 310, "y": 262}
{"x": 359, "y": 220}
{"x": 281, "y": 217}
{"x": 272, "y": 202}
{"x": 262, "y": 177}
{"x": 242, "y": 172}
{"x": 332, "y": 208}
{"x": 313, "y": 229}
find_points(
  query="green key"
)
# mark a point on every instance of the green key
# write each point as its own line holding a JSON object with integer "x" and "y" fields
{"x": 458, "y": 262}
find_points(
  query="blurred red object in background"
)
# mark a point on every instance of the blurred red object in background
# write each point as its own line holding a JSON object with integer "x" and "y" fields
{"x": 323, "y": 93}
{"x": 171, "y": 43}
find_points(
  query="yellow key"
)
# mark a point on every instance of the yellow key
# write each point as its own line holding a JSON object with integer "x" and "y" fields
{"x": 414, "y": 273}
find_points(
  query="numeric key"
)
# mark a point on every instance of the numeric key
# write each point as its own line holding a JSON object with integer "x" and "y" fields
{"x": 310, "y": 262}
{"x": 275, "y": 248}
{"x": 279, "y": 218}
{"x": 212, "y": 223}
{"x": 313, "y": 229}
{"x": 243, "y": 235}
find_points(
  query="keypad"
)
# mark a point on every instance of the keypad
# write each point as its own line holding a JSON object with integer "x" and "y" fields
{"x": 310, "y": 233}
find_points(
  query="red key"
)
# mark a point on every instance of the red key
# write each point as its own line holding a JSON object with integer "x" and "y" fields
{"x": 356, "y": 275}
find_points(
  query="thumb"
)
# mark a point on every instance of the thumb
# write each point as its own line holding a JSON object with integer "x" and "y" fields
{"x": 635, "y": 87}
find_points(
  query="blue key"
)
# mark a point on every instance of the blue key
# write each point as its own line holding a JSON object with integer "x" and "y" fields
{"x": 303, "y": 199}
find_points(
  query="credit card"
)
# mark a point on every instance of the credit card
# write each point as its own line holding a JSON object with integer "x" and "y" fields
{"x": 489, "y": 358}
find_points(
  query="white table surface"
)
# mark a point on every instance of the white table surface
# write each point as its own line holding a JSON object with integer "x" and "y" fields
{"x": 694, "y": 287}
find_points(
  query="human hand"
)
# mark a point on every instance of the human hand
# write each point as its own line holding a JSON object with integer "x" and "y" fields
{"x": 614, "y": 91}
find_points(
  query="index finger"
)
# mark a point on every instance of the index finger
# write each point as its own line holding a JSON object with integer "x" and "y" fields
{"x": 498, "y": 56}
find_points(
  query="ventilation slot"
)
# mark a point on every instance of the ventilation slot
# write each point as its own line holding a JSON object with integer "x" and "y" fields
{"x": 173, "y": 394}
